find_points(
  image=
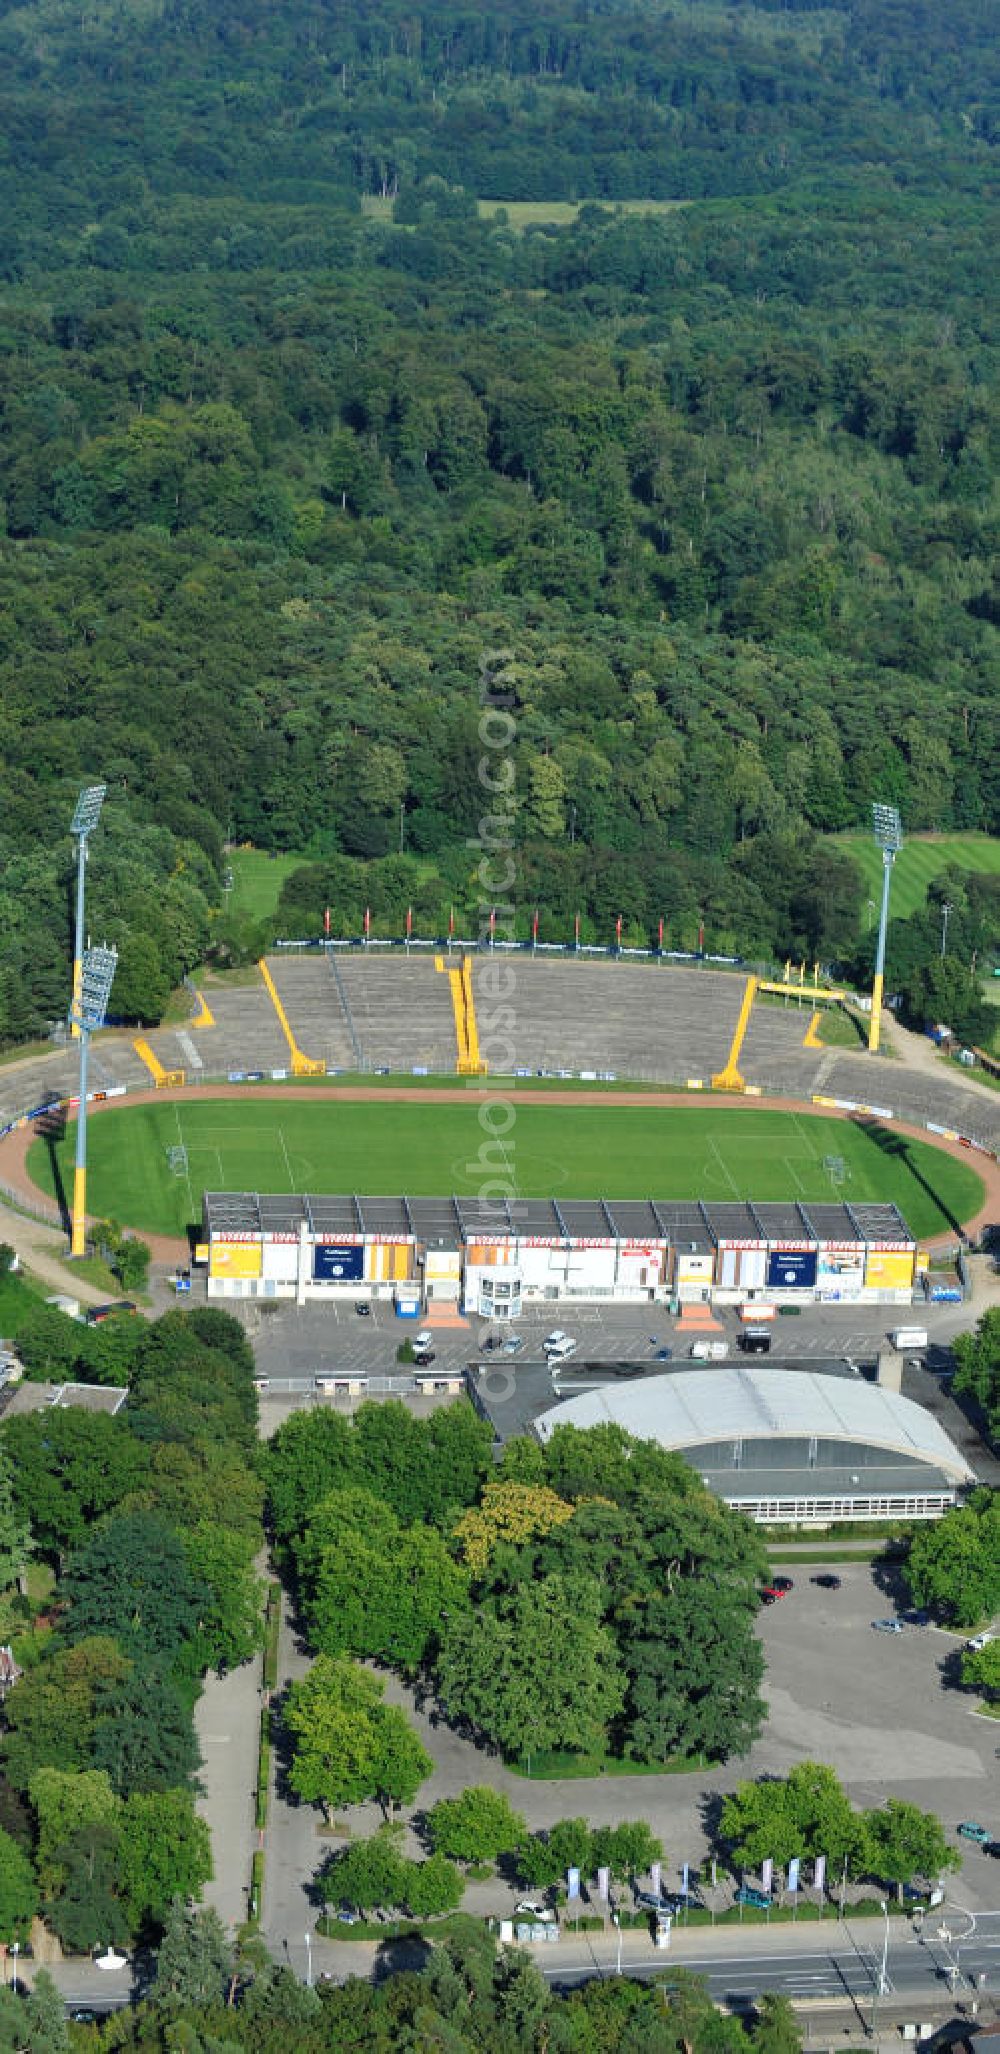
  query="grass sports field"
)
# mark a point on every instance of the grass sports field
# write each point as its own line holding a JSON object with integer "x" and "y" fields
{"x": 286, "y": 1144}
{"x": 918, "y": 862}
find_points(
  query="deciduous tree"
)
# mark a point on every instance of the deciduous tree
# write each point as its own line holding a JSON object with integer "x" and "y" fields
{"x": 477, "y": 1826}
{"x": 534, "y": 1668}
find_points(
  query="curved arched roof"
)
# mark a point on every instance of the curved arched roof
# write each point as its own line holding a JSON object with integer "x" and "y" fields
{"x": 691, "y": 1407}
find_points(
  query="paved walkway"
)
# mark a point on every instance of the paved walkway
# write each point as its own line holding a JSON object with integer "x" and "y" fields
{"x": 227, "y": 1723}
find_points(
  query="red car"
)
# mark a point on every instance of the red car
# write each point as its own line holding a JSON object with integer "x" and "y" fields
{"x": 778, "y": 1589}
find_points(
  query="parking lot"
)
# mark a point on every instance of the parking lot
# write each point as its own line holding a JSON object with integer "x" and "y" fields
{"x": 293, "y": 1346}
{"x": 886, "y": 1711}
{"x": 299, "y": 1341}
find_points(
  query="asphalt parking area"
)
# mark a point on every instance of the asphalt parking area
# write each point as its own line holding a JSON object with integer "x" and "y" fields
{"x": 882, "y": 1709}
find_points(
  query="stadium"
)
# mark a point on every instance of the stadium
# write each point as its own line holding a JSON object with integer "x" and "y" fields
{"x": 632, "y": 1083}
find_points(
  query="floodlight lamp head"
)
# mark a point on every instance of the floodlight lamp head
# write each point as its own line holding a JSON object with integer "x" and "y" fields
{"x": 96, "y": 978}
{"x": 88, "y": 810}
{"x": 887, "y": 827}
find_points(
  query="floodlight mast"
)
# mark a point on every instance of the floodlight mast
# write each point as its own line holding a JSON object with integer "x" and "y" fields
{"x": 888, "y": 831}
{"x": 82, "y": 825}
{"x": 97, "y": 970}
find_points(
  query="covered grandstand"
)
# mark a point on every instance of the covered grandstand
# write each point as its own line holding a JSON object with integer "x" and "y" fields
{"x": 787, "y": 1446}
{"x": 498, "y": 1255}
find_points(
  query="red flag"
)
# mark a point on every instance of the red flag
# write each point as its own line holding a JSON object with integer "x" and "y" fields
{"x": 576, "y": 930}
{"x": 326, "y": 921}
{"x": 451, "y": 922}
{"x": 368, "y": 921}
{"x": 493, "y": 923}
{"x": 618, "y": 930}
{"x": 661, "y": 934}
{"x": 534, "y": 926}
{"x": 409, "y": 922}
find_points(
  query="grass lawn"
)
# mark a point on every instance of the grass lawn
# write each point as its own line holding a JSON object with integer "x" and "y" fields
{"x": 279, "y": 1145}
{"x": 560, "y": 213}
{"x": 257, "y": 881}
{"x": 917, "y": 864}
{"x": 18, "y": 1299}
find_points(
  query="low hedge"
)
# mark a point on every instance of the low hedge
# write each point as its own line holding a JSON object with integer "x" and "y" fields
{"x": 256, "y": 1887}
{"x": 272, "y": 1628}
{"x": 263, "y": 1769}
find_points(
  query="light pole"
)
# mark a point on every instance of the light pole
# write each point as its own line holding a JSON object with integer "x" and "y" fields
{"x": 888, "y": 833}
{"x": 82, "y": 825}
{"x": 881, "y": 1985}
{"x": 309, "y": 1961}
{"x": 616, "y": 1922}
{"x": 97, "y": 970}
{"x": 946, "y": 908}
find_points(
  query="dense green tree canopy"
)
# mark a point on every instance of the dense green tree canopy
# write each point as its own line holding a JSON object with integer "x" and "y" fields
{"x": 299, "y": 419}
{"x": 953, "y": 1566}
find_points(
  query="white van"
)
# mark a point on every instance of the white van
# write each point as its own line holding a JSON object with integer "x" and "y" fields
{"x": 708, "y": 1351}
{"x": 559, "y": 1348}
{"x": 909, "y": 1337}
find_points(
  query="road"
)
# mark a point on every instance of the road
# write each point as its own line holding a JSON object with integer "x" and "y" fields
{"x": 739, "y": 1965}
{"x": 834, "y": 1969}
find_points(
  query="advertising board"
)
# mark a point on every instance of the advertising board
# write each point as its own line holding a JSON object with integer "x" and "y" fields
{"x": 336, "y": 1262}
{"x": 791, "y": 1269}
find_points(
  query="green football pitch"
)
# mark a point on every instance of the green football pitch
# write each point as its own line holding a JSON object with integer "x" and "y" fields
{"x": 149, "y": 1165}
{"x": 918, "y": 863}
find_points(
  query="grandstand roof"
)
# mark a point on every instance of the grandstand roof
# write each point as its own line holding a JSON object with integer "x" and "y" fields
{"x": 687, "y": 1409}
{"x": 451, "y": 1221}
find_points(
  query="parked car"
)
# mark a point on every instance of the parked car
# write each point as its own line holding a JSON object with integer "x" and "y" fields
{"x": 423, "y": 1357}
{"x": 362, "y": 1308}
{"x": 771, "y": 1593}
{"x": 347, "y": 1917}
{"x": 826, "y": 1582}
{"x": 559, "y": 1347}
{"x": 757, "y": 1899}
{"x": 782, "y": 1583}
{"x": 970, "y": 1829}
{"x": 424, "y": 1339}
{"x": 667, "y": 1900}
{"x": 97, "y": 1314}
{"x": 664, "y": 1355}
{"x": 887, "y": 1625}
{"x": 530, "y": 1908}
{"x": 976, "y": 1645}
{"x": 514, "y": 1345}
{"x": 555, "y": 1339}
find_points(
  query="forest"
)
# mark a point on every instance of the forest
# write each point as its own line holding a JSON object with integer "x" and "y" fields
{"x": 302, "y": 421}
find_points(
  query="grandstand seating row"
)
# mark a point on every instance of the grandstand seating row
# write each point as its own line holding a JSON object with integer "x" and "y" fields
{"x": 385, "y": 1011}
